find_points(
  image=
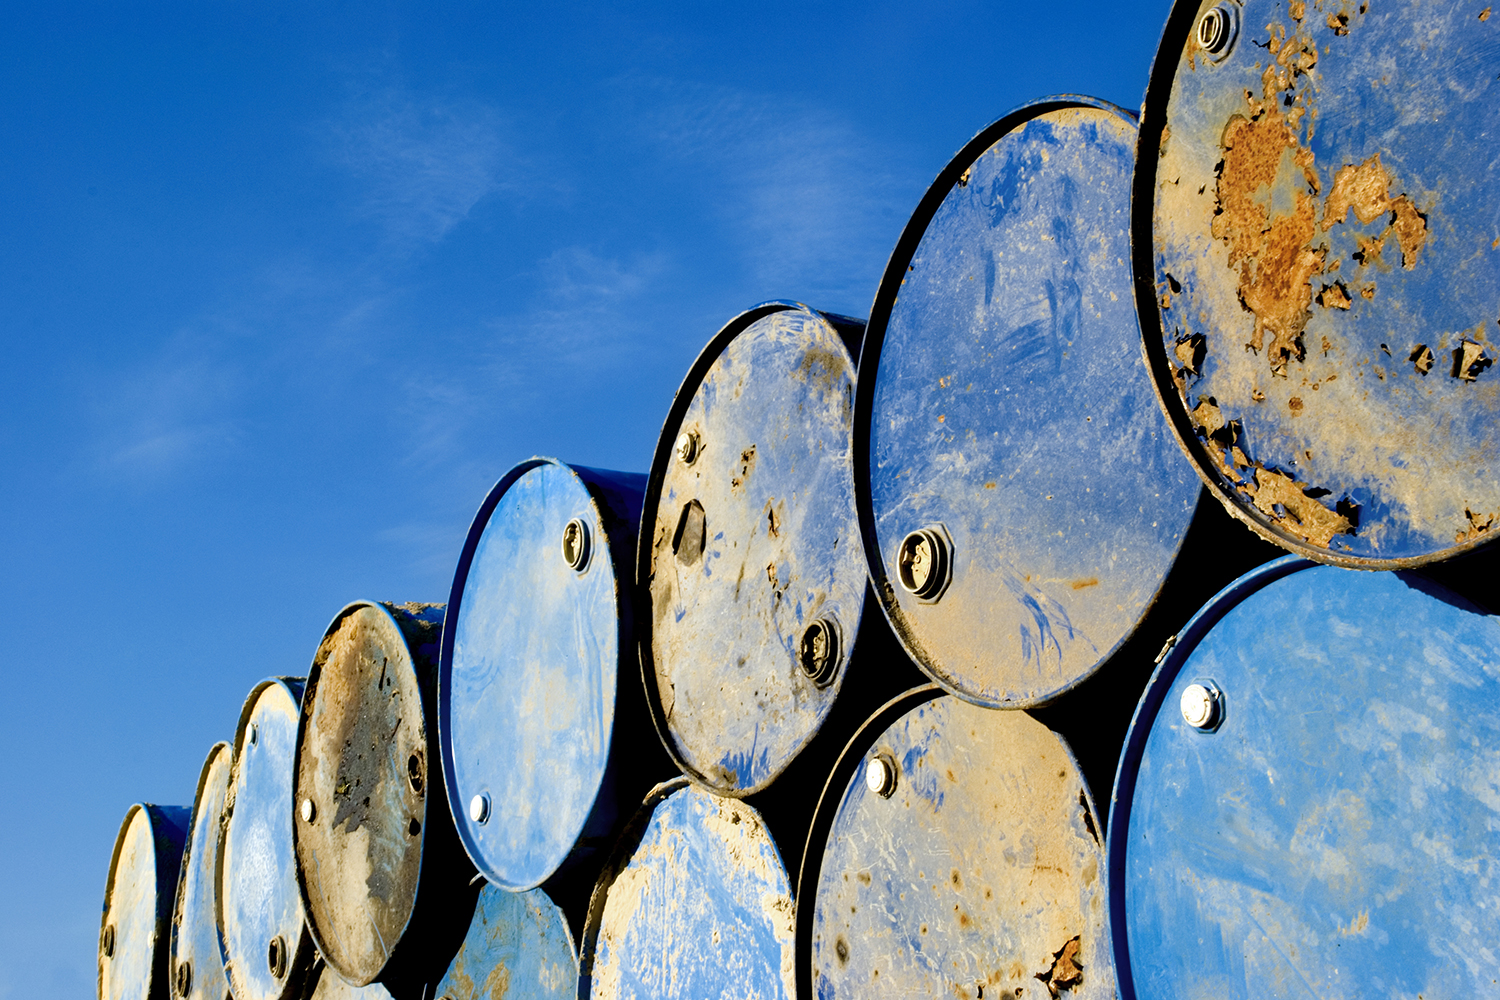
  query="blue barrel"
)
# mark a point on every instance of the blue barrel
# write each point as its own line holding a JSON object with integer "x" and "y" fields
{"x": 956, "y": 853}
{"x": 695, "y": 903}
{"x": 268, "y": 952}
{"x": 1021, "y": 499}
{"x": 134, "y": 934}
{"x": 331, "y": 986}
{"x": 383, "y": 877}
{"x": 546, "y": 741}
{"x": 1318, "y": 265}
{"x": 197, "y": 960}
{"x": 1308, "y": 800}
{"x": 749, "y": 554}
{"x": 518, "y": 944}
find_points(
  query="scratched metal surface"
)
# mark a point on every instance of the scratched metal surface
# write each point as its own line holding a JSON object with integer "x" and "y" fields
{"x": 533, "y": 652}
{"x": 135, "y": 930}
{"x": 700, "y": 907}
{"x": 981, "y": 875}
{"x": 1316, "y": 210}
{"x": 364, "y": 764}
{"x": 1334, "y": 837}
{"x": 1004, "y": 403}
{"x": 197, "y": 957}
{"x": 518, "y": 945}
{"x": 749, "y": 543}
{"x": 257, "y": 868}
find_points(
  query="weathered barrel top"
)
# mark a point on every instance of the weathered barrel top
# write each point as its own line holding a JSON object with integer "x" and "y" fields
{"x": 1308, "y": 800}
{"x": 537, "y": 639}
{"x": 1021, "y": 497}
{"x": 962, "y": 859}
{"x": 1318, "y": 264}
{"x": 268, "y": 951}
{"x": 695, "y": 898}
{"x": 749, "y": 551}
{"x": 134, "y": 933}
{"x": 197, "y": 970}
{"x": 518, "y": 944}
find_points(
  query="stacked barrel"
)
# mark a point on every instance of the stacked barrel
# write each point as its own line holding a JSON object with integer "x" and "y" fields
{"x": 958, "y": 651}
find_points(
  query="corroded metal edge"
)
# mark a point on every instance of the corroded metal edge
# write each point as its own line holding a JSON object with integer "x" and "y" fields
{"x": 214, "y": 752}
{"x": 869, "y": 365}
{"x": 811, "y": 869}
{"x": 660, "y": 461}
{"x": 1153, "y": 122}
{"x": 1123, "y": 794}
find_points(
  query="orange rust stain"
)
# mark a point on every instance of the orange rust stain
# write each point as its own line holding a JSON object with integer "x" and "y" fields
{"x": 1478, "y": 525}
{"x": 1484, "y": 15}
{"x": 1366, "y": 190}
{"x": 989, "y": 486}
{"x": 1334, "y": 296}
{"x": 1368, "y": 291}
{"x": 1092, "y": 581}
{"x": 1295, "y": 405}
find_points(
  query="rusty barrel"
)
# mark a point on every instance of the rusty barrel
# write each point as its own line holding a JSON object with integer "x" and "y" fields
{"x": 197, "y": 969}
{"x": 268, "y": 952}
{"x": 956, "y": 852}
{"x": 1021, "y": 498}
{"x": 546, "y": 743}
{"x": 1307, "y": 802}
{"x": 518, "y": 944}
{"x": 382, "y": 876}
{"x": 1318, "y": 269}
{"x": 134, "y": 934}
{"x": 695, "y": 902}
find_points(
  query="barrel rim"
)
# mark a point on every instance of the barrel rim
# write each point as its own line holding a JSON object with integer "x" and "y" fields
{"x": 869, "y": 366}
{"x": 660, "y": 462}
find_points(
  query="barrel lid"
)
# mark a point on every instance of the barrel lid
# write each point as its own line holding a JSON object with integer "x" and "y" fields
{"x": 267, "y": 949}
{"x": 1307, "y": 794}
{"x": 138, "y": 895}
{"x": 749, "y": 552}
{"x": 197, "y": 967}
{"x": 517, "y": 941}
{"x": 362, "y": 778}
{"x": 530, "y": 672}
{"x": 962, "y": 859}
{"x": 696, "y": 896}
{"x": 1317, "y": 260}
{"x": 1021, "y": 499}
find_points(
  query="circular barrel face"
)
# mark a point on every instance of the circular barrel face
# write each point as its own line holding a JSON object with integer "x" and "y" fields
{"x": 197, "y": 964}
{"x": 267, "y": 948}
{"x": 362, "y": 784}
{"x": 134, "y": 935}
{"x": 963, "y": 861}
{"x": 518, "y": 945}
{"x": 702, "y": 900}
{"x": 1307, "y": 803}
{"x": 1319, "y": 254}
{"x": 1021, "y": 496}
{"x": 331, "y": 987}
{"x": 528, "y": 695}
{"x": 750, "y": 549}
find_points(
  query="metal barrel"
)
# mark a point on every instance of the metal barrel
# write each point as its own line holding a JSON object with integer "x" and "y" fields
{"x": 268, "y": 951}
{"x": 518, "y": 944}
{"x": 1307, "y": 801}
{"x": 1021, "y": 500}
{"x": 1317, "y": 269}
{"x": 749, "y": 555}
{"x": 382, "y": 876}
{"x": 197, "y": 966}
{"x": 331, "y": 986}
{"x": 546, "y": 741}
{"x": 134, "y": 932}
{"x": 957, "y": 854}
{"x": 695, "y": 898}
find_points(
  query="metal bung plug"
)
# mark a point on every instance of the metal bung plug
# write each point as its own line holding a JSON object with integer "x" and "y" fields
{"x": 924, "y": 563}
{"x": 107, "y": 945}
{"x": 414, "y": 772}
{"x": 820, "y": 651}
{"x": 687, "y": 447}
{"x": 183, "y": 981}
{"x": 309, "y": 811}
{"x": 254, "y": 734}
{"x": 575, "y": 544}
{"x": 276, "y": 957}
{"x": 880, "y": 775}
{"x": 479, "y": 808}
{"x": 1200, "y": 705}
{"x": 1216, "y": 31}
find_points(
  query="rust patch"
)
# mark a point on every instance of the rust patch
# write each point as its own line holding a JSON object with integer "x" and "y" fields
{"x": 1368, "y": 254}
{"x": 1295, "y": 405}
{"x": 1334, "y": 296}
{"x": 1366, "y": 190}
{"x": 747, "y": 464}
{"x": 1422, "y": 358}
{"x": 1469, "y": 360}
{"x": 1065, "y": 973}
{"x": 773, "y": 523}
{"x": 1092, "y": 581}
{"x": 1484, "y": 15}
{"x": 1477, "y": 526}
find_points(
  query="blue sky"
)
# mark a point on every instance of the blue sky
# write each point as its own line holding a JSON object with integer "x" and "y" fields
{"x": 284, "y": 290}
